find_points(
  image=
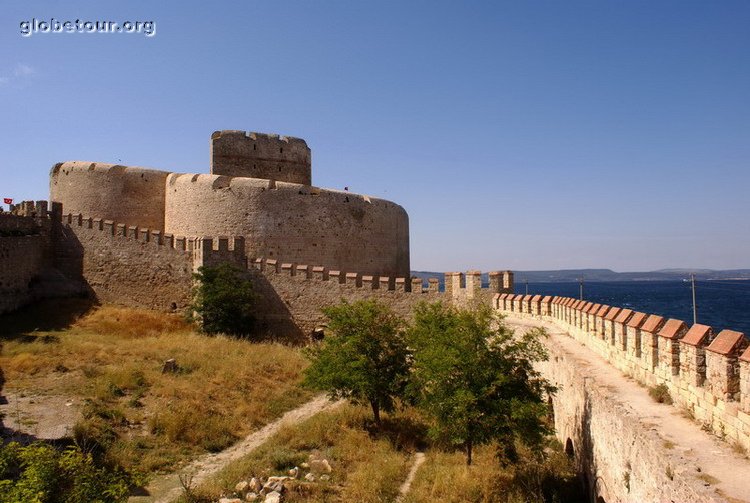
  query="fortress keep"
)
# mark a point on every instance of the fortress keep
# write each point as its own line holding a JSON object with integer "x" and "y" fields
{"x": 259, "y": 188}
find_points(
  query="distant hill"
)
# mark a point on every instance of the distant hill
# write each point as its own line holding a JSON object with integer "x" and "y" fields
{"x": 598, "y": 275}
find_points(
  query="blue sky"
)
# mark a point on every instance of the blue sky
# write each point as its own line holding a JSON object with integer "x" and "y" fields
{"x": 521, "y": 135}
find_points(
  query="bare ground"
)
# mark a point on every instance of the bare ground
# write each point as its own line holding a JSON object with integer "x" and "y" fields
{"x": 31, "y": 416}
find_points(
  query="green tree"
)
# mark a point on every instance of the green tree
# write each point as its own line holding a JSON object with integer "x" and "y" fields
{"x": 476, "y": 379}
{"x": 364, "y": 358}
{"x": 223, "y": 300}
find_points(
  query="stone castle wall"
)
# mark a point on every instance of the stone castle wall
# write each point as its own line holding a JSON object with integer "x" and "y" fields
{"x": 258, "y": 155}
{"x": 129, "y": 265}
{"x": 24, "y": 255}
{"x": 706, "y": 374}
{"x": 619, "y": 458}
{"x": 110, "y": 192}
{"x": 292, "y": 222}
{"x": 292, "y": 295}
{"x": 136, "y": 266}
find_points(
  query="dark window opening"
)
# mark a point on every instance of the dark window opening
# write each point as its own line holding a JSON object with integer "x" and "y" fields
{"x": 569, "y": 450}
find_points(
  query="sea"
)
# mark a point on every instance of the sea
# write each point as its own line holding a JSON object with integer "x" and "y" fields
{"x": 721, "y": 304}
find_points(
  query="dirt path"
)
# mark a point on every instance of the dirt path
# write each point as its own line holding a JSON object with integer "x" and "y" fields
{"x": 698, "y": 450}
{"x": 404, "y": 489}
{"x": 167, "y": 488}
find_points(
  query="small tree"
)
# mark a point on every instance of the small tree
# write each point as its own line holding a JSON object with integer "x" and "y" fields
{"x": 476, "y": 379}
{"x": 365, "y": 358}
{"x": 223, "y": 300}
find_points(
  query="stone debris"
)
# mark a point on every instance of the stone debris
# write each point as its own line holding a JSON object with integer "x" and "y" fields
{"x": 169, "y": 367}
{"x": 320, "y": 466}
{"x": 273, "y": 497}
{"x": 272, "y": 489}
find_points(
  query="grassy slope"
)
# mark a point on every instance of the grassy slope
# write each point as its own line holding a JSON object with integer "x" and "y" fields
{"x": 368, "y": 465}
{"x": 112, "y": 358}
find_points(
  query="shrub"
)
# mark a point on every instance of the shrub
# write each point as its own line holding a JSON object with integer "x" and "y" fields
{"x": 223, "y": 300}
{"x": 661, "y": 394}
{"x": 38, "y": 473}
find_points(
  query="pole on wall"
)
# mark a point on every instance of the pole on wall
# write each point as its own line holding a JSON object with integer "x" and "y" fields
{"x": 695, "y": 308}
{"x": 580, "y": 288}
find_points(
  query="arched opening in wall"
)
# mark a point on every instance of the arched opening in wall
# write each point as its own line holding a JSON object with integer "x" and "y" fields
{"x": 599, "y": 499}
{"x": 569, "y": 450}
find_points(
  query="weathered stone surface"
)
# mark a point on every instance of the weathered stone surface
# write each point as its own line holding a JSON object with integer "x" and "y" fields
{"x": 129, "y": 194}
{"x": 320, "y": 466}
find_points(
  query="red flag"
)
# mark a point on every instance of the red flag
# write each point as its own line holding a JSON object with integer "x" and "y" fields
{"x": 8, "y": 200}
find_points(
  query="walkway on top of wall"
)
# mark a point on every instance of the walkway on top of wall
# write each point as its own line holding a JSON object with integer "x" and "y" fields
{"x": 699, "y": 453}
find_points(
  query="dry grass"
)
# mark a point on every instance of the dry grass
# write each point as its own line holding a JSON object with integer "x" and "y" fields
{"x": 112, "y": 359}
{"x": 130, "y": 323}
{"x": 368, "y": 465}
{"x": 444, "y": 476}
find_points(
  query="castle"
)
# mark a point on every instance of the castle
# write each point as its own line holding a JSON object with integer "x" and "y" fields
{"x": 260, "y": 189}
{"x": 135, "y": 236}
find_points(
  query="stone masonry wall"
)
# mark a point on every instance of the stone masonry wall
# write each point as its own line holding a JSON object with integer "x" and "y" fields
{"x": 706, "y": 374}
{"x": 292, "y": 222}
{"x": 25, "y": 254}
{"x": 292, "y": 295}
{"x": 258, "y": 155}
{"x": 22, "y": 259}
{"x": 111, "y": 192}
{"x": 129, "y": 265}
{"x": 619, "y": 459}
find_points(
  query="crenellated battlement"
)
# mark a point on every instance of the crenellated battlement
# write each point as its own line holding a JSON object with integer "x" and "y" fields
{"x": 706, "y": 373}
{"x": 203, "y": 251}
{"x": 364, "y": 281}
{"x": 34, "y": 209}
{"x": 259, "y": 155}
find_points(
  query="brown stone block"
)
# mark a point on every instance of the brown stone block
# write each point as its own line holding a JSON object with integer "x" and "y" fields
{"x": 698, "y": 335}
{"x": 728, "y": 342}
{"x": 673, "y": 329}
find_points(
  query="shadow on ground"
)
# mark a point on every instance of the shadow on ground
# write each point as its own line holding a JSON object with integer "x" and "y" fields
{"x": 50, "y": 315}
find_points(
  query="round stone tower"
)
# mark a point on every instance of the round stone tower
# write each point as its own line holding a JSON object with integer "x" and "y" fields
{"x": 258, "y": 155}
